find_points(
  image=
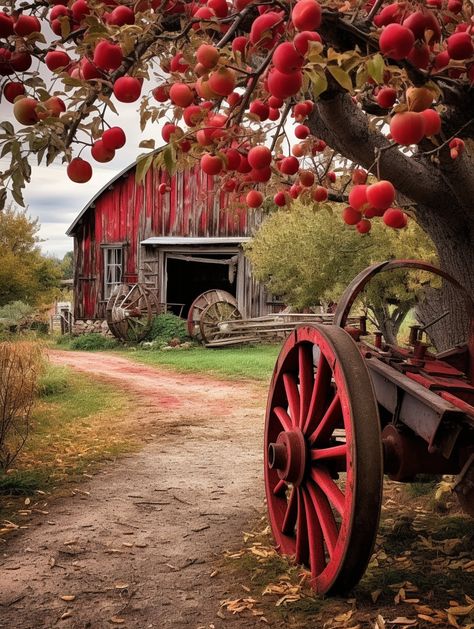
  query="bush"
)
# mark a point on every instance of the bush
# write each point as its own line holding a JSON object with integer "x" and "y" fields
{"x": 166, "y": 327}
{"x": 55, "y": 380}
{"x": 20, "y": 367}
{"x": 90, "y": 342}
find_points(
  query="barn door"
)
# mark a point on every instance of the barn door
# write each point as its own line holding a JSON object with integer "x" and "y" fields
{"x": 150, "y": 269}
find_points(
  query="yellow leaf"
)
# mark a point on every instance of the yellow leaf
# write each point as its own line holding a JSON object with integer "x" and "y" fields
{"x": 115, "y": 620}
{"x": 344, "y": 617}
{"x": 460, "y": 611}
{"x": 375, "y": 595}
{"x": 342, "y": 77}
{"x": 67, "y": 597}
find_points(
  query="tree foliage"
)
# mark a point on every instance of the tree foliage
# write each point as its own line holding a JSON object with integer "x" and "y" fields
{"x": 25, "y": 274}
{"x": 307, "y": 257}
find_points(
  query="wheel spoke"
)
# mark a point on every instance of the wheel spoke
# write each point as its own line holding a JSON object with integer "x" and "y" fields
{"x": 305, "y": 364}
{"x": 289, "y": 521}
{"x": 319, "y": 395}
{"x": 285, "y": 419}
{"x": 316, "y": 547}
{"x": 302, "y": 544}
{"x": 279, "y": 488}
{"x": 292, "y": 395}
{"x": 325, "y": 517}
{"x": 322, "y": 478}
{"x": 327, "y": 424}
{"x": 333, "y": 452}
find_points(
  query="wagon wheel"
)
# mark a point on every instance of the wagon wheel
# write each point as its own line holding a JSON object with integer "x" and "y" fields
{"x": 323, "y": 457}
{"x": 201, "y": 302}
{"x": 212, "y": 315}
{"x": 129, "y": 312}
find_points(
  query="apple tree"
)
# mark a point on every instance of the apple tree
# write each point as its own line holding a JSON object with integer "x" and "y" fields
{"x": 279, "y": 99}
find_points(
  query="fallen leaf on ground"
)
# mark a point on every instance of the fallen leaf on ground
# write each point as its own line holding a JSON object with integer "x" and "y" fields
{"x": 67, "y": 597}
{"x": 115, "y": 620}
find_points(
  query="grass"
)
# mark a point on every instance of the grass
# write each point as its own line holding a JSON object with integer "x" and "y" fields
{"x": 250, "y": 362}
{"x": 70, "y": 435}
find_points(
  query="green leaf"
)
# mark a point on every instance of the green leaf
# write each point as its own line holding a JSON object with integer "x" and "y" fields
{"x": 169, "y": 159}
{"x": 8, "y": 127}
{"x": 143, "y": 166}
{"x": 376, "y": 68}
{"x": 342, "y": 77}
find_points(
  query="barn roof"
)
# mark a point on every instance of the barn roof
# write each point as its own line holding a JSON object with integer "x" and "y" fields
{"x": 177, "y": 240}
{"x": 72, "y": 228}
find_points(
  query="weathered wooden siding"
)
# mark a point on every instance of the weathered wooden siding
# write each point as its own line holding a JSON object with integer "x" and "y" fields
{"x": 127, "y": 213}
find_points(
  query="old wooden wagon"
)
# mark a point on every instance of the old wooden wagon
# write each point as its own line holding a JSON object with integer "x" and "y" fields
{"x": 178, "y": 244}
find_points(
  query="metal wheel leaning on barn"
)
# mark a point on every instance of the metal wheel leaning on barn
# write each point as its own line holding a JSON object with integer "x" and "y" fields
{"x": 341, "y": 412}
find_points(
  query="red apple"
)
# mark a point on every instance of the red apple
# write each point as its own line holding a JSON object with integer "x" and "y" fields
{"x": 26, "y": 25}
{"x": 101, "y": 153}
{"x": 283, "y": 85}
{"x": 207, "y": 56}
{"x": 127, "y": 89}
{"x": 286, "y": 58}
{"x": 6, "y": 25}
{"x": 254, "y": 199}
{"x": 351, "y": 216}
{"x": 306, "y": 15}
{"x": 56, "y": 59}
{"x": 289, "y": 166}
{"x": 407, "y": 128}
{"x": 393, "y": 217}
{"x": 121, "y": 15}
{"x": 396, "y": 41}
{"x": 460, "y": 46}
{"x": 108, "y": 56}
{"x": 12, "y": 90}
{"x": 260, "y": 109}
{"x": 358, "y": 197}
{"x": 211, "y": 164}
{"x": 222, "y": 81}
{"x": 259, "y": 157}
{"x": 302, "y": 41}
{"x": 432, "y": 122}
{"x": 320, "y": 194}
{"x": 386, "y": 97}
{"x": 79, "y": 170}
{"x": 364, "y": 226}
{"x": 381, "y": 195}
{"x": 280, "y": 199}
{"x": 181, "y": 94}
{"x": 114, "y": 138}
{"x": 24, "y": 110}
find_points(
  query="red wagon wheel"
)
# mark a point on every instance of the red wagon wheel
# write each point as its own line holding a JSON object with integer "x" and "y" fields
{"x": 323, "y": 457}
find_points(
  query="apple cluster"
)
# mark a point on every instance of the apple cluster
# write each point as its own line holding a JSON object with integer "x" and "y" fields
{"x": 230, "y": 83}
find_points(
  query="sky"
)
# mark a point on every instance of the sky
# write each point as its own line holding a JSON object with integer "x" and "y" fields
{"x": 56, "y": 200}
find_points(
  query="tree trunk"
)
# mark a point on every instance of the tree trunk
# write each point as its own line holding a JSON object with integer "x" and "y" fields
{"x": 441, "y": 193}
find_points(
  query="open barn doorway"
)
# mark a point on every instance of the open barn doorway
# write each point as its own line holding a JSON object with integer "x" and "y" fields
{"x": 190, "y": 275}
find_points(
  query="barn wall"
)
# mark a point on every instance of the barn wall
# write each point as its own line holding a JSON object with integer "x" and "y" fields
{"x": 128, "y": 213}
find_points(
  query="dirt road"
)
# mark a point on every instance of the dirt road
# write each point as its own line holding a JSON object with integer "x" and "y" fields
{"x": 136, "y": 546}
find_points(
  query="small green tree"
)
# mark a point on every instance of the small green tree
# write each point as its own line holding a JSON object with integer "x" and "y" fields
{"x": 308, "y": 257}
{"x": 25, "y": 273}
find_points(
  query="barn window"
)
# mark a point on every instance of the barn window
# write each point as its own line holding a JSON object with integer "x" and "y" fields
{"x": 113, "y": 269}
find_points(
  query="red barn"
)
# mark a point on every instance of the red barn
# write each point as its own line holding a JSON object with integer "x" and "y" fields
{"x": 180, "y": 243}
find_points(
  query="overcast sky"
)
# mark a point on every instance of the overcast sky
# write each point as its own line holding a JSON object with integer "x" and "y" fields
{"x": 56, "y": 200}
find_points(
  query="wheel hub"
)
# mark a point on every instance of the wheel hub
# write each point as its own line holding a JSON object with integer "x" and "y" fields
{"x": 288, "y": 456}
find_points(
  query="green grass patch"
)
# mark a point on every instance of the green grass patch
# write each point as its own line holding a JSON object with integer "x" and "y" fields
{"x": 250, "y": 362}
{"x": 70, "y": 434}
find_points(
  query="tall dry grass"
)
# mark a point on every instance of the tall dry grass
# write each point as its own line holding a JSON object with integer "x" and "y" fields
{"x": 20, "y": 367}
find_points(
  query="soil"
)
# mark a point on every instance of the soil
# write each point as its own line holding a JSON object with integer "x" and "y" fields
{"x": 138, "y": 544}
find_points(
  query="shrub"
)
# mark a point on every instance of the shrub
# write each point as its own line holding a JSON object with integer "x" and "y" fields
{"x": 90, "y": 342}
{"x": 55, "y": 380}
{"x": 20, "y": 367}
{"x": 15, "y": 312}
{"x": 166, "y": 327}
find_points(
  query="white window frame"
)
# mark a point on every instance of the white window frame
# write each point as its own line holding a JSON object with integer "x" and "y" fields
{"x": 113, "y": 268}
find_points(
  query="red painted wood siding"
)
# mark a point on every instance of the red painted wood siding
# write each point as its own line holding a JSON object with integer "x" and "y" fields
{"x": 129, "y": 213}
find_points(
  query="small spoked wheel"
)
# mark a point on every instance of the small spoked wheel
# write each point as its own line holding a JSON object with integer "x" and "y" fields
{"x": 214, "y": 314}
{"x": 323, "y": 457}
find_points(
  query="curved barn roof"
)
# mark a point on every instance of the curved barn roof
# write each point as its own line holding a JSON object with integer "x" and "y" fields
{"x": 71, "y": 229}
